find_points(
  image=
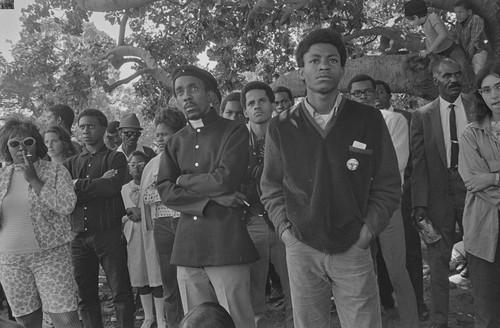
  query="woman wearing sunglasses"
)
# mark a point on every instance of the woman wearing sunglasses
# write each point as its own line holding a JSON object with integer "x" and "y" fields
{"x": 36, "y": 197}
{"x": 479, "y": 166}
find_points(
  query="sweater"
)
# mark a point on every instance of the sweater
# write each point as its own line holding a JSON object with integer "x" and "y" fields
{"x": 308, "y": 187}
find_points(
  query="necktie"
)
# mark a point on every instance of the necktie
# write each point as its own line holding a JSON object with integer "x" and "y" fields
{"x": 453, "y": 137}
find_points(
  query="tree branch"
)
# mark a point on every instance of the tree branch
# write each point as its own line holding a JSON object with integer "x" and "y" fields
{"x": 123, "y": 26}
{"x": 404, "y": 74}
{"x": 123, "y": 54}
{"x": 116, "y": 56}
{"x": 111, "y": 5}
{"x": 390, "y": 33}
{"x": 157, "y": 73}
{"x": 108, "y": 88}
{"x": 291, "y": 8}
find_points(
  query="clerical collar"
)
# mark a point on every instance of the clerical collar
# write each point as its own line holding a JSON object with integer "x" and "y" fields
{"x": 196, "y": 123}
{"x": 210, "y": 117}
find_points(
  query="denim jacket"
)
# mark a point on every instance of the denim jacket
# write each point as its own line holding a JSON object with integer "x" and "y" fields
{"x": 50, "y": 208}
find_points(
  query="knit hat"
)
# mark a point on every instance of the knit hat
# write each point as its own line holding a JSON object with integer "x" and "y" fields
{"x": 415, "y": 8}
{"x": 191, "y": 70}
{"x": 130, "y": 121}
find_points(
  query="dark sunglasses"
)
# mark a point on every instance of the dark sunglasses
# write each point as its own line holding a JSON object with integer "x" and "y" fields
{"x": 130, "y": 134}
{"x": 27, "y": 142}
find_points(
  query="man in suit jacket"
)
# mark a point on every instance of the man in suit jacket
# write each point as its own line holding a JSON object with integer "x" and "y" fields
{"x": 200, "y": 172}
{"x": 438, "y": 192}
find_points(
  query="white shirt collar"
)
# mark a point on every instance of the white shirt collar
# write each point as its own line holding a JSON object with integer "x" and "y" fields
{"x": 443, "y": 104}
{"x": 138, "y": 148}
{"x": 323, "y": 119}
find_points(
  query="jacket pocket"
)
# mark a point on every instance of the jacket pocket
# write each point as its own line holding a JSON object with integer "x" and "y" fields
{"x": 359, "y": 170}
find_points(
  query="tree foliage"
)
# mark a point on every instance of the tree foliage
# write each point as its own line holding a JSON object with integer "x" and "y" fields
{"x": 51, "y": 66}
{"x": 240, "y": 36}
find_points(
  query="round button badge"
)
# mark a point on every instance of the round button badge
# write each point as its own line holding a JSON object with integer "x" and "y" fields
{"x": 352, "y": 164}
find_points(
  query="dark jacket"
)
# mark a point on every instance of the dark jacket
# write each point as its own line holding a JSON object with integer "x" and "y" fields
{"x": 307, "y": 186}
{"x": 430, "y": 169}
{"x": 99, "y": 204}
{"x": 198, "y": 164}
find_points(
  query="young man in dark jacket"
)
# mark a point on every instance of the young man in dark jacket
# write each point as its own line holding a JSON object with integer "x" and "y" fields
{"x": 330, "y": 184}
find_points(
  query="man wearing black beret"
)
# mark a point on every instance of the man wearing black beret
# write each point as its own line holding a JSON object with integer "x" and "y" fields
{"x": 199, "y": 175}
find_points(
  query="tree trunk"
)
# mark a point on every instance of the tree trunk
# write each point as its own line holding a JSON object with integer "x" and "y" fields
{"x": 404, "y": 73}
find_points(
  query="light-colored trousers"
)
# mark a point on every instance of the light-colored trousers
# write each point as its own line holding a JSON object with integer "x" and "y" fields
{"x": 271, "y": 249}
{"x": 393, "y": 246}
{"x": 479, "y": 60}
{"x": 228, "y": 285}
{"x": 315, "y": 275}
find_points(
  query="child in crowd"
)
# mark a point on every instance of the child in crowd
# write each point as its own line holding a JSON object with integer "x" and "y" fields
{"x": 470, "y": 34}
{"x": 437, "y": 38}
{"x": 142, "y": 261}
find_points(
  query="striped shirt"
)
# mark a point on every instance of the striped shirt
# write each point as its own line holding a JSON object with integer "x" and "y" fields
{"x": 100, "y": 205}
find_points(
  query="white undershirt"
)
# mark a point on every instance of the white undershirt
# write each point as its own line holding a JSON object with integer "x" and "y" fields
{"x": 323, "y": 119}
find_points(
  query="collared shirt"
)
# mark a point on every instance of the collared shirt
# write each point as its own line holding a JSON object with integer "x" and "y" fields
{"x": 250, "y": 184}
{"x": 390, "y": 109}
{"x": 480, "y": 154}
{"x": 100, "y": 205}
{"x": 323, "y": 119}
{"x": 471, "y": 35}
{"x": 461, "y": 120}
{"x": 138, "y": 148}
{"x": 398, "y": 129}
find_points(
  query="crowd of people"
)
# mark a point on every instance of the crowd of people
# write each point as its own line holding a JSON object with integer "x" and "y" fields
{"x": 331, "y": 192}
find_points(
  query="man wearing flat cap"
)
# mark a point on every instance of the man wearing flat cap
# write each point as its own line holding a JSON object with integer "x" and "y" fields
{"x": 200, "y": 173}
{"x": 130, "y": 131}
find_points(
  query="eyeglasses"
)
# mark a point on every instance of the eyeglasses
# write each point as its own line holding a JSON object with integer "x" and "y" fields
{"x": 130, "y": 134}
{"x": 358, "y": 93}
{"x": 486, "y": 91}
{"x": 83, "y": 127}
{"x": 27, "y": 142}
{"x": 139, "y": 165}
